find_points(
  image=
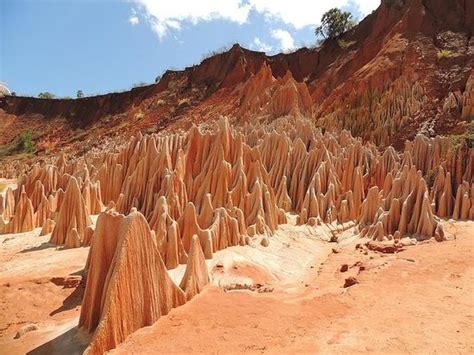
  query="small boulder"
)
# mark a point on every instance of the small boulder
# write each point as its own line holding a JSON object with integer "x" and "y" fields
{"x": 25, "y": 329}
{"x": 350, "y": 281}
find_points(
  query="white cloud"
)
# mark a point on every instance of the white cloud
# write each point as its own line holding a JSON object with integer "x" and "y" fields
{"x": 167, "y": 15}
{"x": 287, "y": 43}
{"x": 133, "y": 19}
{"x": 367, "y": 6}
{"x": 298, "y": 13}
{"x": 302, "y": 13}
{"x": 260, "y": 46}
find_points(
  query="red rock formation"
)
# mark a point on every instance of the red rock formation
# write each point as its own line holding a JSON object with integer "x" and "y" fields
{"x": 2, "y": 206}
{"x": 468, "y": 100}
{"x": 178, "y": 198}
{"x": 225, "y": 185}
{"x": 124, "y": 265}
{"x": 188, "y": 196}
{"x": 92, "y": 198}
{"x": 9, "y": 208}
{"x": 23, "y": 219}
{"x": 196, "y": 275}
{"x": 367, "y": 81}
{"x": 464, "y": 202}
{"x": 265, "y": 95}
{"x": 72, "y": 219}
{"x": 405, "y": 210}
{"x": 43, "y": 211}
{"x": 47, "y": 227}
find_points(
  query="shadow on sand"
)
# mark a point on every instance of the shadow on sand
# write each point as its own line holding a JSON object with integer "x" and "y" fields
{"x": 75, "y": 298}
{"x": 43, "y": 246}
{"x": 67, "y": 343}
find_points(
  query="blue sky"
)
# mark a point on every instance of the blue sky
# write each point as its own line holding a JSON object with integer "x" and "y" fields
{"x": 103, "y": 46}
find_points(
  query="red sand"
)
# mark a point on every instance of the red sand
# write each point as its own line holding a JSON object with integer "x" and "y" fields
{"x": 419, "y": 300}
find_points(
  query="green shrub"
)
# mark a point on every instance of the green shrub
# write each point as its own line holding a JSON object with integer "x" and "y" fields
{"x": 334, "y": 23}
{"x": 45, "y": 95}
{"x": 458, "y": 139}
{"x": 26, "y": 143}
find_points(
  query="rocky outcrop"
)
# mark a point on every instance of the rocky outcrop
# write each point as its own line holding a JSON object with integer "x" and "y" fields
{"x": 264, "y": 95}
{"x": 47, "y": 227}
{"x": 9, "y": 204}
{"x": 468, "y": 100}
{"x": 92, "y": 197}
{"x": 178, "y": 198}
{"x": 196, "y": 275}
{"x": 405, "y": 69}
{"x": 73, "y": 217}
{"x": 124, "y": 265}
{"x": 23, "y": 219}
{"x": 43, "y": 212}
{"x": 345, "y": 134}
{"x": 464, "y": 202}
{"x": 404, "y": 211}
{"x": 230, "y": 184}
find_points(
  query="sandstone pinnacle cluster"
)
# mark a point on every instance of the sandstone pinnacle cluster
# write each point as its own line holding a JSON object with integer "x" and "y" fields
{"x": 263, "y": 94}
{"x": 228, "y": 185}
{"x": 166, "y": 200}
{"x": 347, "y": 134}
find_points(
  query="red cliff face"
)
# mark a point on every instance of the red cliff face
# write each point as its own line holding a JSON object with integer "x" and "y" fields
{"x": 403, "y": 70}
{"x": 82, "y": 111}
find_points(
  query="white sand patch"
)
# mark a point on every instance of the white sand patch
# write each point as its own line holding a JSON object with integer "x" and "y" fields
{"x": 291, "y": 251}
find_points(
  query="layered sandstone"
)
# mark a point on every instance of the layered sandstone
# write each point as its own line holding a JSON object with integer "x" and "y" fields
{"x": 233, "y": 183}
{"x": 196, "y": 275}
{"x": 347, "y": 134}
{"x": 125, "y": 264}
{"x": 188, "y": 196}
{"x": 23, "y": 219}
{"x": 73, "y": 217}
{"x": 178, "y": 198}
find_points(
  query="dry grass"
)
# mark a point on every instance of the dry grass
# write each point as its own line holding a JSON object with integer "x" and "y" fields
{"x": 139, "y": 115}
{"x": 345, "y": 44}
{"x": 445, "y": 54}
{"x": 184, "y": 102}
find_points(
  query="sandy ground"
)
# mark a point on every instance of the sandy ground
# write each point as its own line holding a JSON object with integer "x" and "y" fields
{"x": 288, "y": 297}
{"x": 291, "y": 251}
{"x": 420, "y": 300}
{"x": 41, "y": 285}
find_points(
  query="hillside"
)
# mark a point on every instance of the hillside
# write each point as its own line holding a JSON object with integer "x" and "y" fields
{"x": 405, "y": 69}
